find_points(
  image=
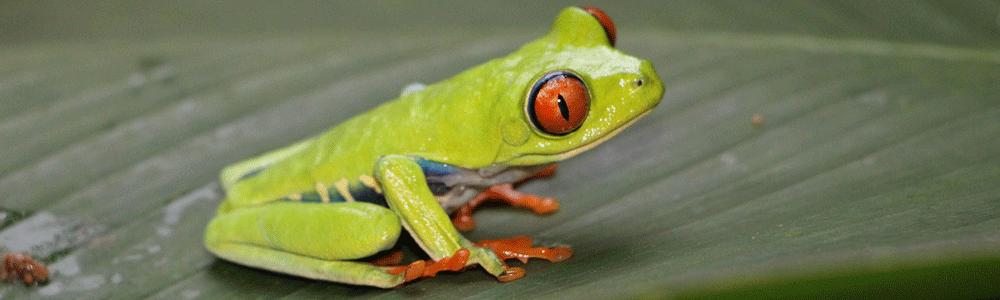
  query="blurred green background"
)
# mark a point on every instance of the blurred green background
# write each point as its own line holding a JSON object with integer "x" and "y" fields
{"x": 873, "y": 173}
{"x": 972, "y": 23}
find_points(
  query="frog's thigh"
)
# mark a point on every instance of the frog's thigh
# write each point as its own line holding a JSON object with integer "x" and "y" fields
{"x": 308, "y": 239}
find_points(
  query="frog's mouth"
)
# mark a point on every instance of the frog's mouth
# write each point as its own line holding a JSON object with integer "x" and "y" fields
{"x": 602, "y": 139}
{"x": 573, "y": 152}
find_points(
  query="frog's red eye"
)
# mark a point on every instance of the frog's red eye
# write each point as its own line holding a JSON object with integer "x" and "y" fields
{"x": 609, "y": 27}
{"x": 558, "y": 103}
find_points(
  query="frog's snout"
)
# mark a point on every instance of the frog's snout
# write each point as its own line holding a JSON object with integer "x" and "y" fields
{"x": 648, "y": 84}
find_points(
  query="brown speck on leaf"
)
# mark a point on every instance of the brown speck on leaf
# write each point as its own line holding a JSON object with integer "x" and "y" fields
{"x": 18, "y": 266}
{"x": 757, "y": 120}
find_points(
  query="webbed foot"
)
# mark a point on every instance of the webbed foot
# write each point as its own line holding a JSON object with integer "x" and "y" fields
{"x": 520, "y": 247}
{"x": 425, "y": 268}
{"x": 505, "y": 193}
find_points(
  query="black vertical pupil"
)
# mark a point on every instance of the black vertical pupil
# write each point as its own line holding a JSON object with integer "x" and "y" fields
{"x": 563, "y": 108}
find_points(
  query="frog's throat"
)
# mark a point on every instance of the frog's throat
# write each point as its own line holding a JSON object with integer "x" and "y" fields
{"x": 572, "y": 152}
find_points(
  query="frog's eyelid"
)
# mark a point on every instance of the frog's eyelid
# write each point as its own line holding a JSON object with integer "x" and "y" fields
{"x": 609, "y": 27}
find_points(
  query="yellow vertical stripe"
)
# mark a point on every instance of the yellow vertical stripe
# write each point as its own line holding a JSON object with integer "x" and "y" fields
{"x": 341, "y": 187}
{"x": 324, "y": 193}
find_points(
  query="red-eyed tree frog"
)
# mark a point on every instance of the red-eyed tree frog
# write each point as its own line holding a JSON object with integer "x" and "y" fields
{"x": 323, "y": 208}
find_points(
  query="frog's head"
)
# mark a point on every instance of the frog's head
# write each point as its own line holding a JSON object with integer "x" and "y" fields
{"x": 578, "y": 91}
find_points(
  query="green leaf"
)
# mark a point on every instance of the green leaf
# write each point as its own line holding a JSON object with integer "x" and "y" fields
{"x": 802, "y": 150}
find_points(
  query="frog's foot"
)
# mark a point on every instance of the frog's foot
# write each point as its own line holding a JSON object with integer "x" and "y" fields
{"x": 17, "y": 266}
{"x": 424, "y": 268}
{"x": 520, "y": 247}
{"x": 464, "y": 222}
{"x": 390, "y": 259}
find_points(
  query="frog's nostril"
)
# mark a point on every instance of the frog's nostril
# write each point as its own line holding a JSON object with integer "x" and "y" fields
{"x": 638, "y": 83}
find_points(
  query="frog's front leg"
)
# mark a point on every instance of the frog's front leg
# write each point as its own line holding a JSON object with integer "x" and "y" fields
{"x": 405, "y": 188}
{"x": 505, "y": 193}
{"x": 313, "y": 240}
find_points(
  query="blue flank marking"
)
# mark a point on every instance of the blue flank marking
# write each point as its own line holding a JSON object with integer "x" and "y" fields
{"x": 359, "y": 191}
{"x": 313, "y": 197}
{"x": 436, "y": 169}
{"x": 367, "y": 194}
{"x": 362, "y": 193}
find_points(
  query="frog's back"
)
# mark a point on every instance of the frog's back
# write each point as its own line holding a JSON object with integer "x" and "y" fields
{"x": 337, "y": 165}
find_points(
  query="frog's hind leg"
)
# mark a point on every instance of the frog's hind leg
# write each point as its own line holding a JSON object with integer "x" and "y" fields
{"x": 350, "y": 272}
{"x": 312, "y": 240}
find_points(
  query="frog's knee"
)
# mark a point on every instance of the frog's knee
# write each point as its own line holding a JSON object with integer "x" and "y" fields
{"x": 378, "y": 232}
